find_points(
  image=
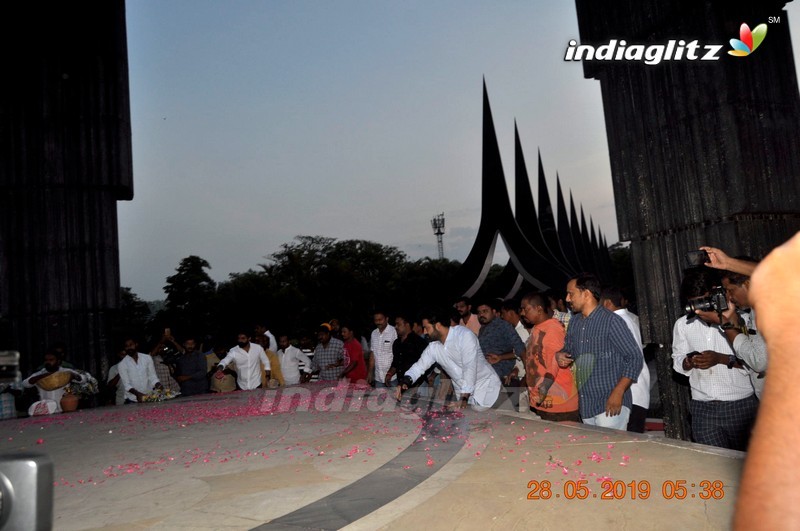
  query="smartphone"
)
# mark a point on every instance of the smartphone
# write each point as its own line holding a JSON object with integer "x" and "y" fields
{"x": 167, "y": 332}
{"x": 697, "y": 258}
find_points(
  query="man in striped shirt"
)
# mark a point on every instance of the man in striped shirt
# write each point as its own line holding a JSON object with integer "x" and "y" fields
{"x": 381, "y": 355}
{"x": 605, "y": 354}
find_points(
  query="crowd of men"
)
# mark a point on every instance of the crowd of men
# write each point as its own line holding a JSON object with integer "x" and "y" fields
{"x": 573, "y": 358}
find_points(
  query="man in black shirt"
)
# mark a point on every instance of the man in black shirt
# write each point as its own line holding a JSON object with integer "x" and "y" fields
{"x": 406, "y": 349}
{"x": 191, "y": 370}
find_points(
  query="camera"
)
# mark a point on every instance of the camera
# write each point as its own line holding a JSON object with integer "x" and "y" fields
{"x": 716, "y": 301}
{"x": 170, "y": 356}
{"x": 697, "y": 258}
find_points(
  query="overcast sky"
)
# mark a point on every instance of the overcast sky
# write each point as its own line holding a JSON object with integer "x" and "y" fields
{"x": 255, "y": 121}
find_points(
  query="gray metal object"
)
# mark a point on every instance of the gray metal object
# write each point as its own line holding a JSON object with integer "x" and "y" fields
{"x": 26, "y": 492}
{"x": 9, "y": 367}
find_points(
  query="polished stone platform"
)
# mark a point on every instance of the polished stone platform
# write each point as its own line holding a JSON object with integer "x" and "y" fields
{"x": 321, "y": 457}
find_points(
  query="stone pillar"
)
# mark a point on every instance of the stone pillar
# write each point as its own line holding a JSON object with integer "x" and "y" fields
{"x": 65, "y": 138}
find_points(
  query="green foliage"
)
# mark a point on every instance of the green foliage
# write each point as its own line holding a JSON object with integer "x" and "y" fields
{"x": 241, "y": 301}
{"x": 314, "y": 279}
{"x": 310, "y": 280}
{"x": 133, "y": 314}
{"x": 190, "y": 299}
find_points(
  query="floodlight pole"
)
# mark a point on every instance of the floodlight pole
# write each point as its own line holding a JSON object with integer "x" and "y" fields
{"x": 437, "y": 223}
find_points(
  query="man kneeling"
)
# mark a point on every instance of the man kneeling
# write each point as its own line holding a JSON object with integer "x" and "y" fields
{"x": 457, "y": 351}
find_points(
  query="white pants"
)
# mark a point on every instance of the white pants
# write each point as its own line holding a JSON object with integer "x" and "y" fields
{"x": 617, "y": 422}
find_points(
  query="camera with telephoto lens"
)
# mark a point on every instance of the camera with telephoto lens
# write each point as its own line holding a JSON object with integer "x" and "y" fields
{"x": 170, "y": 356}
{"x": 715, "y": 301}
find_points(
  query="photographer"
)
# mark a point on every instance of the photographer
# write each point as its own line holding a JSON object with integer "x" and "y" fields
{"x": 739, "y": 323}
{"x": 165, "y": 355}
{"x": 723, "y": 404}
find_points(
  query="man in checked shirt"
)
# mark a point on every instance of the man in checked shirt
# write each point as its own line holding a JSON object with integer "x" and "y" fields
{"x": 606, "y": 356}
{"x": 381, "y": 355}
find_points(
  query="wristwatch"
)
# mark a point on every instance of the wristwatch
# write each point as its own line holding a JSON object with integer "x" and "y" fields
{"x": 732, "y": 362}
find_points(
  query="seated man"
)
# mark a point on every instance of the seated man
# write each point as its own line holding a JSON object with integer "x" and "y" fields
{"x": 115, "y": 394}
{"x": 49, "y": 401}
{"x": 137, "y": 374}
{"x": 190, "y": 370}
{"x": 166, "y": 348}
{"x": 457, "y": 351}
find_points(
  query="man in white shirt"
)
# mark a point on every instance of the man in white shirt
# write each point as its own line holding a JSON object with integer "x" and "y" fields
{"x": 381, "y": 355}
{"x": 741, "y": 331}
{"x": 723, "y": 404}
{"x": 611, "y": 298}
{"x": 291, "y": 357}
{"x": 248, "y": 358}
{"x": 137, "y": 374}
{"x": 49, "y": 401}
{"x": 457, "y": 350}
{"x": 113, "y": 381}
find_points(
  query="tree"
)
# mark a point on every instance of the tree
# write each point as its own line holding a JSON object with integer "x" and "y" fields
{"x": 130, "y": 318}
{"x": 190, "y": 298}
{"x": 310, "y": 280}
{"x": 427, "y": 283}
{"x": 315, "y": 278}
{"x": 243, "y": 299}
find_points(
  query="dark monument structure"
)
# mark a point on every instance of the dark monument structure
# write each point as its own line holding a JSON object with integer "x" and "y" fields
{"x": 702, "y": 152}
{"x": 65, "y": 136}
{"x": 542, "y": 254}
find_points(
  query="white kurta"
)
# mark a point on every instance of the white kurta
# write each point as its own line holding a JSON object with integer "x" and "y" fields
{"x": 462, "y": 358}
{"x": 640, "y": 389}
{"x": 290, "y": 364}
{"x": 139, "y": 375}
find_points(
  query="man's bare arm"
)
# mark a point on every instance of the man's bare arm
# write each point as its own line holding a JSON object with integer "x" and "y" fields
{"x": 768, "y": 480}
{"x": 720, "y": 260}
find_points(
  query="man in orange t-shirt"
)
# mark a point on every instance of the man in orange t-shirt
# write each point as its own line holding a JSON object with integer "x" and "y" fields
{"x": 551, "y": 389}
